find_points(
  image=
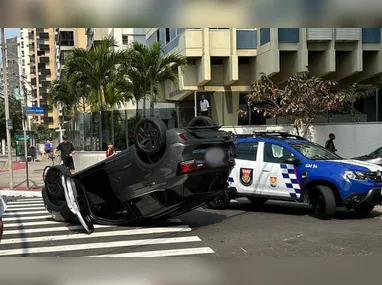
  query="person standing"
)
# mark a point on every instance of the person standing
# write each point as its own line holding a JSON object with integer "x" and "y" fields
{"x": 47, "y": 148}
{"x": 67, "y": 151}
{"x": 204, "y": 106}
{"x": 330, "y": 143}
{"x": 110, "y": 150}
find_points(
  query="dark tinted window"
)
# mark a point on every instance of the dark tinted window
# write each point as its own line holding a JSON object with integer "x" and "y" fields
{"x": 247, "y": 150}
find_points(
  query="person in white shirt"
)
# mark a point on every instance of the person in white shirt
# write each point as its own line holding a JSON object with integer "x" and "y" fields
{"x": 204, "y": 106}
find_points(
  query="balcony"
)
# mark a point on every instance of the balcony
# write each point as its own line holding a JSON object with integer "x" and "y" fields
{"x": 44, "y": 47}
{"x": 348, "y": 34}
{"x": 265, "y": 36}
{"x": 45, "y": 59}
{"x": 320, "y": 34}
{"x": 371, "y": 35}
{"x": 45, "y": 71}
{"x": 43, "y": 36}
{"x": 246, "y": 39}
{"x": 291, "y": 35}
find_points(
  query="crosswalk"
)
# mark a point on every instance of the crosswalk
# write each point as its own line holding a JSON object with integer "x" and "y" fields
{"x": 29, "y": 230}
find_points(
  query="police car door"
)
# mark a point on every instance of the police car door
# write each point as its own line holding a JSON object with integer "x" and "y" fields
{"x": 277, "y": 178}
{"x": 245, "y": 174}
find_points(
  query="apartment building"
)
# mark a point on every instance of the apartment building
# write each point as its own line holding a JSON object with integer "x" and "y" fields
{"x": 95, "y": 35}
{"x": 13, "y": 66}
{"x": 42, "y": 52}
{"x": 223, "y": 63}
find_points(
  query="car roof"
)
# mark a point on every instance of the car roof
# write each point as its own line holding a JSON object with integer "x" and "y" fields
{"x": 281, "y": 137}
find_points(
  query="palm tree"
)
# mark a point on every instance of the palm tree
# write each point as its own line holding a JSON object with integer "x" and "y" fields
{"x": 154, "y": 68}
{"x": 97, "y": 67}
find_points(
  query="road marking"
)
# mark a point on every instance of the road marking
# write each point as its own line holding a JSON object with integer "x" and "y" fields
{"x": 28, "y": 224}
{"x": 12, "y": 213}
{"x": 74, "y": 247}
{"x": 162, "y": 253}
{"x": 52, "y": 229}
{"x": 75, "y": 236}
{"x": 26, "y": 218}
{"x": 18, "y": 208}
{"x": 26, "y": 203}
{"x": 301, "y": 235}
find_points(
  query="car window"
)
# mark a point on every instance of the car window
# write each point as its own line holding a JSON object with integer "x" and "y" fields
{"x": 275, "y": 153}
{"x": 247, "y": 150}
{"x": 314, "y": 151}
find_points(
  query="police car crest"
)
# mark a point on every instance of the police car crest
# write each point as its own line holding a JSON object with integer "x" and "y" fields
{"x": 246, "y": 176}
{"x": 273, "y": 181}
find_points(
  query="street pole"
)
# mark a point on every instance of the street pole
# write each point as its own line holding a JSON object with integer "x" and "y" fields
{"x": 10, "y": 164}
{"x": 23, "y": 112}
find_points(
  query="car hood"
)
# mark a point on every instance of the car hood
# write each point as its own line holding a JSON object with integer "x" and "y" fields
{"x": 353, "y": 165}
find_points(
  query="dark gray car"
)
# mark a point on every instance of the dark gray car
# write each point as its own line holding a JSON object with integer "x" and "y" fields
{"x": 373, "y": 157}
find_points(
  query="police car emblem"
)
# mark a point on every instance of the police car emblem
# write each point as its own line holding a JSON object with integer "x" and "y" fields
{"x": 246, "y": 175}
{"x": 273, "y": 180}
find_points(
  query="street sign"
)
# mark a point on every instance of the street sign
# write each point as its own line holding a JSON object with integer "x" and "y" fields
{"x": 10, "y": 124}
{"x": 34, "y": 111}
{"x": 17, "y": 93}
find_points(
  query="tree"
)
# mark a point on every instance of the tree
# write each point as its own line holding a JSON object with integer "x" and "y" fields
{"x": 302, "y": 99}
{"x": 14, "y": 114}
{"x": 96, "y": 67}
{"x": 154, "y": 67}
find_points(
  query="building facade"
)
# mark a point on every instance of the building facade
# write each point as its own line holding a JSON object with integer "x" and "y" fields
{"x": 42, "y": 52}
{"x": 223, "y": 63}
{"x": 13, "y": 66}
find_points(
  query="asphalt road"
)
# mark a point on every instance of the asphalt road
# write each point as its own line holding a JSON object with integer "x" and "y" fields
{"x": 276, "y": 229}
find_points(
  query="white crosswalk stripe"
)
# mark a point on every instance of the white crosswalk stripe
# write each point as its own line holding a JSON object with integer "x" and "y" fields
{"x": 29, "y": 230}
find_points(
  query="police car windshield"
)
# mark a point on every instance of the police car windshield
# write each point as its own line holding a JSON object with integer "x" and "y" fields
{"x": 314, "y": 151}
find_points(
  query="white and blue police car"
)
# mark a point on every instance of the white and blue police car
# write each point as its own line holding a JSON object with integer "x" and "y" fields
{"x": 280, "y": 166}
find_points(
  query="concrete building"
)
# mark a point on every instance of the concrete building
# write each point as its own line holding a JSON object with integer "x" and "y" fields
{"x": 13, "y": 66}
{"x": 223, "y": 63}
{"x": 42, "y": 52}
{"x": 95, "y": 35}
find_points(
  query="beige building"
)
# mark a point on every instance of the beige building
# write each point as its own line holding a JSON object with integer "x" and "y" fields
{"x": 43, "y": 71}
{"x": 223, "y": 63}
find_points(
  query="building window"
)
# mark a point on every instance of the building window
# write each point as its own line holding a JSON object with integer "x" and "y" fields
{"x": 66, "y": 38}
{"x": 168, "y": 38}
{"x": 158, "y": 35}
{"x": 125, "y": 40}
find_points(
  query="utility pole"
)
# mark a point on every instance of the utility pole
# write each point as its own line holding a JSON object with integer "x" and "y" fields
{"x": 10, "y": 164}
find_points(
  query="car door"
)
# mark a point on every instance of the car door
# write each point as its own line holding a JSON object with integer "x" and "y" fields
{"x": 244, "y": 176}
{"x": 278, "y": 178}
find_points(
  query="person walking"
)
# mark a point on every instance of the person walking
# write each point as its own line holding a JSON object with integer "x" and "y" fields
{"x": 47, "y": 148}
{"x": 330, "y": 143}
{"x": 67, "y": 151}
{"x": 204, "y": 106}
{"x": 110, "y": 150}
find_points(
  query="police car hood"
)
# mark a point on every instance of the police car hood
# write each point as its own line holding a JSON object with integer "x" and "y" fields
{"x": 352, "y": 165}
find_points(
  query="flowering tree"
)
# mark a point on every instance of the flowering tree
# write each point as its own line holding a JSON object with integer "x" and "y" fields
{"x": 302, "y": 99}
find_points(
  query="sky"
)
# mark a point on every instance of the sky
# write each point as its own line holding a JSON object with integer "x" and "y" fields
{"x": 10, "y": 33}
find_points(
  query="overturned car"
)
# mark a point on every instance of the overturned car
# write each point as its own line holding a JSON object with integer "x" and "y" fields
{"x": 167, "y": 172}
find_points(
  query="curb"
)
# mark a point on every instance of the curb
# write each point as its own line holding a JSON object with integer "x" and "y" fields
{"x": 20, "y": 193}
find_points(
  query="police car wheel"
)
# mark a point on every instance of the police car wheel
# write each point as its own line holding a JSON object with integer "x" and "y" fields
{"x": 364, "y": 210}
{"x": 323, "y": 202}
{"x": 257, "y": 201}
{"x": 221, "y": 201}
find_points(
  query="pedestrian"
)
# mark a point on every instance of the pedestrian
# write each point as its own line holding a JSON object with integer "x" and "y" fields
{"x": 42, "y": 150}
{"x": 330, "y": 143}
{"x": 47, "y": 148}
{"x": 3, "y": 207}
{"x": 204, "y": 106}
{"x": 110, "y": 150}
{"x": 67, "y": 151}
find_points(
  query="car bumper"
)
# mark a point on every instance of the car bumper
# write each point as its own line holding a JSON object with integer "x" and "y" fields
{"x": 373, "y": 197}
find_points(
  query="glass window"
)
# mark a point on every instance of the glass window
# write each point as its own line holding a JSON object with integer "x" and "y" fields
{"x": 247, "y": 150}
{"x": 314, "y": 151}
{"x": 274, "y": 153}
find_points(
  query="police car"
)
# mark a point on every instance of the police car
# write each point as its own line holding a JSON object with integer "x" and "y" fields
{"x": 281, "y": 166}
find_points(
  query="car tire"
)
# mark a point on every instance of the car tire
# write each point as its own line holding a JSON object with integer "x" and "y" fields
{"x": 257, "y": 201}
{"x": 53, "y": 183}
{"x": 364, "y": 210}
{"x": 221, "y": 202}
{"x": 323, "y": 202}
{"x": 57, "y": 207}
{"x": 201, "y": 121}
{"x": 150, "y": 130}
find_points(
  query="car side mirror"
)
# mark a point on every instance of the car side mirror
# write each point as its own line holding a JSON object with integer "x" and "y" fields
{"x": 292, "y": 160}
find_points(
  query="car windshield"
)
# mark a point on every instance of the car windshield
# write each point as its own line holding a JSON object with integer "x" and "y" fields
{"x": 376, "y": 153}
{"x": 314, "y": 151}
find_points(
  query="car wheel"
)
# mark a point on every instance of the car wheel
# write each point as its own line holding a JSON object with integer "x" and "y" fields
{"x": 323, "y": 202}
{"x": 53, "y": 182}
{"x": 221, "y": 201}
{"x": 201, "y": 121}
{"x": 257, "y": 201}
{"x": 364, "y": 210}
{"x": 150, "y": 136}
{"x": 57, "y": 207}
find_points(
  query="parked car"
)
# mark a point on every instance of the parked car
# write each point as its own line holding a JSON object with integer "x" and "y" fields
{"x": 167, "y": 172}
{"x": 373, "y": 157}
{"x": 280, "y": 166}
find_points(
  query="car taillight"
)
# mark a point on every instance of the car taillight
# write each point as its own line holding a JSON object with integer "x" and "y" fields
{"x": 183, "y": 137}
{"x": 189, "y": 166}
